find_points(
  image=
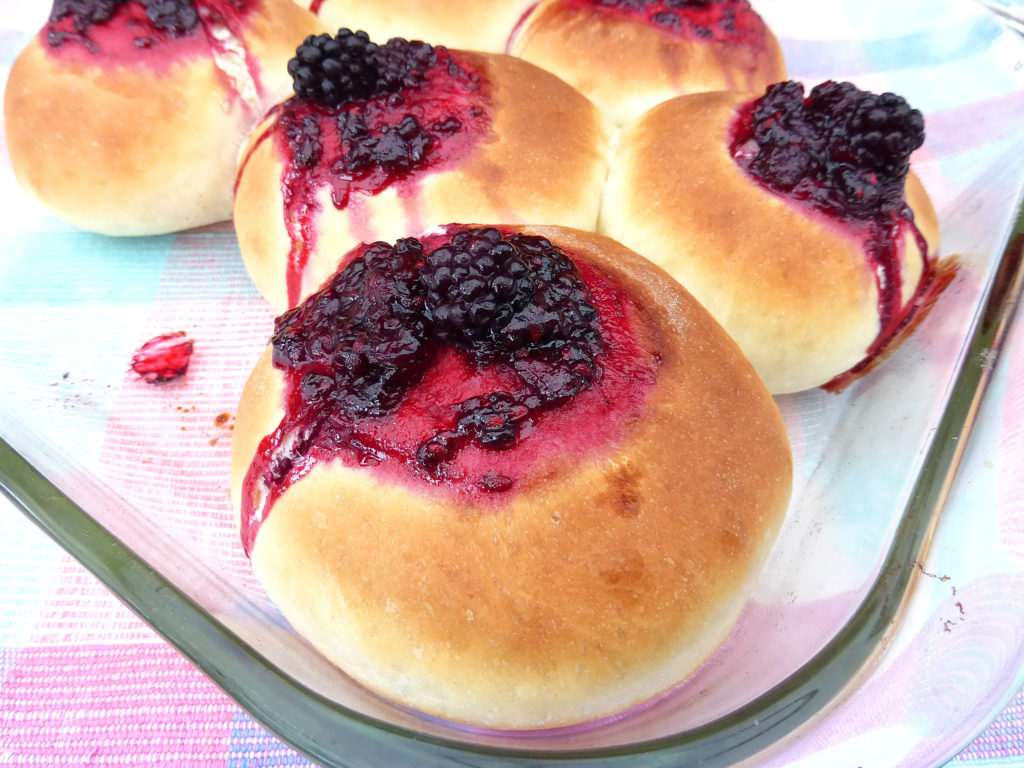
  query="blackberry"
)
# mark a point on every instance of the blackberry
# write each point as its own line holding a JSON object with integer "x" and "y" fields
{"x": 334, "y": 70}
{"x": 517, "y": 299}
{"x": 475, "y": 285}
{"x": 498, "y": 295}
{"x": 885, "y": 131}
{"x": 841, "y": 149}
{"x": 175, "y": 17}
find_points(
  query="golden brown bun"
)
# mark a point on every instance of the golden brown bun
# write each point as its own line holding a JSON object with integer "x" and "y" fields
{"x": 138, "y": 150}
{"x": 627, "y": 66}
{"x": 476, "y": 25}
{"x": 546, "y": 161}
{"x": 606, "y": 579}
{"x": 795, "y": 293}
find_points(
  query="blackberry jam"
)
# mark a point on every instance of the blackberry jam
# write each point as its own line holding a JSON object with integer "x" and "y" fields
{"x": 122, "y": 29}
{"x": 457, "y": 361}
{"x": 720, "y": 21}
{"x": 844, "y": 153}
{"x": 366, "y": 117}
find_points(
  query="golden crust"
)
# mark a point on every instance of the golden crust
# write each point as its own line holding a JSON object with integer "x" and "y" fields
{"x": 605, "y": 581}
{"x": 135, "y": 151}
{"x": 547, "y": 162}
{"x": 626, "y": 67}
{"x": 795, "y": 293}
{"x": 478, "y": 25}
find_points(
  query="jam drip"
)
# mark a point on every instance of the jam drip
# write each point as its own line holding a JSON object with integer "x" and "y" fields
{"x": 145, "y": 22}
{"x": 366, "y": 117}
{"x": 509, "y": 313}
{"x": 723, "y": 21}
{"x": 845, "y": 153}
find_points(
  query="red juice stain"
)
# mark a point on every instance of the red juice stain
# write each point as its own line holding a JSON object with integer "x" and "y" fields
{"x": 156, "y": 36}
{"x": 510, "y": 43}
{"x": 719, "y": 21}
{"x": 425, "y": 121}
{"x": 845, "y": 154}
{"x": 163, "y": 358}
{"x": 452, "y": 365}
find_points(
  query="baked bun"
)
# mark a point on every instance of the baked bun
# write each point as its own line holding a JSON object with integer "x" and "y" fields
{"x": 477, "y": 25}
{"x": 461, "y": 137}
{"x": 128, "y": 125}
{"x": 814, "y": 280}
{"x": 627, "y": 57}
{"x": 528, "y": 494}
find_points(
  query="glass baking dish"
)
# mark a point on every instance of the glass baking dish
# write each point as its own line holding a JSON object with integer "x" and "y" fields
{"x": 131, "y": 478}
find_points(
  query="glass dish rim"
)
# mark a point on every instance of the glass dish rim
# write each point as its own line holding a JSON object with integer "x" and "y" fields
{"x": 313, "y": 724}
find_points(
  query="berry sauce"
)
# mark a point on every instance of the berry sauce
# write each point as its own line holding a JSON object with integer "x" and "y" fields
{"x": 845, "y": 154}
{"x": 721, "y": 21}
{"x": 137, "y": 31}
{"x": 365, "y": 118}
{"x": 163, "y": 358}
{"x": 453, "y": 364}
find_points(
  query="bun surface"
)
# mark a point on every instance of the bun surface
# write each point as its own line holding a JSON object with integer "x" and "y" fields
{"x": 123, "y": 139}
{"x": 796, "y": 290}
{"x": 539, "y": 152}
{"x": 476, "y": 25}
{"x": 617, "y": 559}
{"x": 626, "y": 62}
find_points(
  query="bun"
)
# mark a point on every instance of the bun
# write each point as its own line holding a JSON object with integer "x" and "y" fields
{"x": 794, "y": 286}
{"x": 625, "y": 61}
{"x": 528, "y": 147}
{"x": 125, "y": 137}
{"x": 478, "y": 25}
{"x": 614, "y": 557}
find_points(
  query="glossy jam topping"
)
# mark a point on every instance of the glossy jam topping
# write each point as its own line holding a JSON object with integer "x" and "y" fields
{"x": 124, "y": 28}
{"x": 845, "y": 154}
{"x": 163, "y": 358}
{"x": 732, "y": 21}
{"x": 458, "y": 361}
{"x": 365, "y": 118}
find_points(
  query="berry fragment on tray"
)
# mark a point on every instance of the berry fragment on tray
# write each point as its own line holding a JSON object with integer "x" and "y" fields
{"x": 163, "y": 358}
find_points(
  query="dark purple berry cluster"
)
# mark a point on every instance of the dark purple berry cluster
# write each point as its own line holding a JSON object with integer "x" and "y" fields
{"x": 368, "y": 336}
{"x": 498, "y": 295}
{"x": 672, "y": 15}
{"x": 842, "y": 149}
{"x": 362, "y": 341}
{"x": 331, "y": 70}
{"x": 176, "y": 18}
{"x": 84, "y": 13}
{"x": 394, "y": 148}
